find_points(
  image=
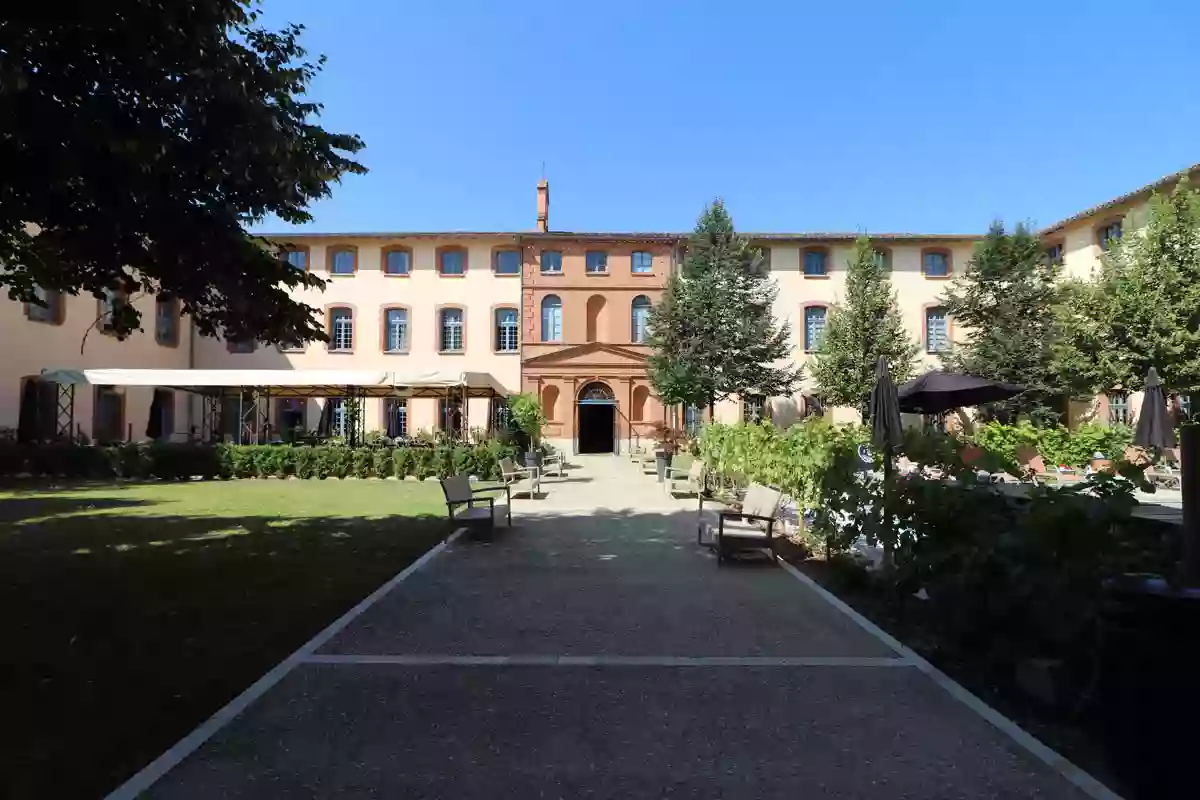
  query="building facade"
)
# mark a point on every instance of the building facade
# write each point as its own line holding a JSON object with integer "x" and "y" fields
{"x": 558, "y": 314}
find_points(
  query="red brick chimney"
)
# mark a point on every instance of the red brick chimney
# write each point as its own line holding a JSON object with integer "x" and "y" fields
{"x": 543, "y": 221}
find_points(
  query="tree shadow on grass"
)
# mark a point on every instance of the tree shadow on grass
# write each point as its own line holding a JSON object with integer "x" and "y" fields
{"x": 120, "y": 633}
{"x": 19, "y": 509}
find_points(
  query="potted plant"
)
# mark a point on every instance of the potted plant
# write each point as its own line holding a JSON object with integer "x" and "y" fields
{"x": 525, "y": 412}
{"x": 666, "y": 444}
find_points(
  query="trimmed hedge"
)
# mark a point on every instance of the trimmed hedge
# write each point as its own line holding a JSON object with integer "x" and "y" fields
{"x": 171, "y": 461}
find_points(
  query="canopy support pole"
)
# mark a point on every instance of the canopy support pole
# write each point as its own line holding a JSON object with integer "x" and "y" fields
{"x": 64, "y": 426}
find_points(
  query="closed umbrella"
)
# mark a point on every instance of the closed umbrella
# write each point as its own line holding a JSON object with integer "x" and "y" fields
{"x": 29, "y": 427}
{"x": 939, "y": 391}
{"x": 1153, "y": 427}
{"x": 154, "y": 422}
{"x": 325, "y": 424}
{"x": 887, "y": 435}
{"x": 886, "y": 431}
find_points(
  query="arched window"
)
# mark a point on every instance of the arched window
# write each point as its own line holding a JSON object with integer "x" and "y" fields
{"x": 937, "y": 330}
{"x": 507, "y": 340}
{"x": 451, "y": 324}
{"x": 596, "y": 391}
{"x": 395, "y": 330}
{"x": 595, "y": 316}
{"x": 935, "y": 263}
{"x": 552, "y": 318}
{"x": 341, "y": 330}
{"x": 550, "y": 402}
{"x": 815, "y": 318}
{"x": 639, "y": 319}
{"x": 637, "y": 411}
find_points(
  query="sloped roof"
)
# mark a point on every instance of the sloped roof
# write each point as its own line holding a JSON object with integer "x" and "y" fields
{"x": 1136, "y": 194}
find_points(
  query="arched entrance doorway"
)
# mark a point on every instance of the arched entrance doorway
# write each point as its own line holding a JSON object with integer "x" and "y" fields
{"x": 597, "y": 424}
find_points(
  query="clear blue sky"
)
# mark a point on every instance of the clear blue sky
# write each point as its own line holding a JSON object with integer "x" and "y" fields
{"x": 879, "y": 116}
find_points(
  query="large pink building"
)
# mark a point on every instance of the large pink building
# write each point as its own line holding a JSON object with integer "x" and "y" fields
{"x": 556, "y": 313}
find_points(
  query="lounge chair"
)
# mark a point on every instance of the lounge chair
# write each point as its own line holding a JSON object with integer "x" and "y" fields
{"x": 458, "y": 492}
{"x": 519, "y": 480}
{"x": 750, "y": 527}
{"x": 553, "y": 464}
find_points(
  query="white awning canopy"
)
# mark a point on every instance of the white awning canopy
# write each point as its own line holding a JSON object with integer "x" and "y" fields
{"x": 289, "y": 382}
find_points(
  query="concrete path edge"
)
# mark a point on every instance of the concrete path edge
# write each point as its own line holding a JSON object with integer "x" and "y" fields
{"x": 1078, "y": 777}
{"x": 148, "y": 775}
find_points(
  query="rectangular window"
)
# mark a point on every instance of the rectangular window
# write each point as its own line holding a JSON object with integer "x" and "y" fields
{"x": 762, "y": 266}
{"x": 1185, "y": 407}
{"x": 395, "y": 417}
{"x": 1118, "y": 408}
{"x": 398, "y": 262}
{"x": 506, "y": 330}
{"x": 753, "y": 406}
{"x": 551, "y": 262}
{"x": 342, "y": 262}
{"x": 641, "y": 263}
{"x": 1109, "y": 234}
{"x": 291, "y": 347}
{"x": 108, "y": 415}
{"x": 452, "y": 262}
{"x": 499, "y": 415}
{"x": 937, "y": 330}
{"x": 452, "y": 330}
{"x": 1054, "y": 255}
{"x": 814, "y": 327}
{"x": 883, "y": 260}
{"x": 239, "y": 417}
{"x": 290, "y": 416}
{"x": 240, "y": 345}
{"x": 935, "y": 265}
{"x": 113, "y": 300}
{"x": 50, "y": 312}
{"x": 298, "y": 259}
{"x": 596, "y": 262}
{"x": 166, "y": 322}
{"x": 814, "y": 262}
{"x": 341, "y": 329}
{"x": 396, "y": 330}
{"x": 508, "y": 262}
{"x": 693, "y": 419}
{"x": 164, "y": 405}
{"x": 338, "y": 417}
{"x": 450, "y": 416}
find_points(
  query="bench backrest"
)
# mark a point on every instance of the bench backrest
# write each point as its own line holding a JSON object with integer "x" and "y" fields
{"x": 696, "y": 471}
{"x": 457, "y": 488}
{"x": 761, "y": 501}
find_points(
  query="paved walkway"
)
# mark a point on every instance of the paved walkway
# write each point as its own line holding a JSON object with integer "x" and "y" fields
{"x": 594, "y": 651}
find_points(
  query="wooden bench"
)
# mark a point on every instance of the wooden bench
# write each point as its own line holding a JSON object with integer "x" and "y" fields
{"x": 458, "y": 492}
{"x": 750, "y": 527}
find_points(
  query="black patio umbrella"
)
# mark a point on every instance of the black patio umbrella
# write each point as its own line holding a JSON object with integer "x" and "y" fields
{"x": 29, "y": 427}
{"x": 938, "y": 391}
{"x": 325, "y": 424}
{"x": 154, "y": 422}
{"x": 886, "y": 432}
{"x": 887, "y": 435}
{"x": 1153, "y": 426}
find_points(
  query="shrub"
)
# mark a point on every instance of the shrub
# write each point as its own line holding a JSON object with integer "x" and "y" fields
{"x": 381, "y": 462}
{"x": 182, "y": 461}
{"x": 362, "y": 462}
{"x": 402, "y": 461}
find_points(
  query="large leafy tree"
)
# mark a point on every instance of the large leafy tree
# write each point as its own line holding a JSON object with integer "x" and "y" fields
{"x": 1004, "y": 304}
{"x": 1142, "y": 308}
{"x": 141, "y": 138}
{"x": 865, "y": 325}
{"x": 713, "y": 333}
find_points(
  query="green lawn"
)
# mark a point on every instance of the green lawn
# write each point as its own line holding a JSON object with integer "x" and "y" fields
{"x": 130, "y": 613}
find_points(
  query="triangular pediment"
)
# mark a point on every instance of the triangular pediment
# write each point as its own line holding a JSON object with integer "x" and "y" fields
{"x": 595, "y": 354}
